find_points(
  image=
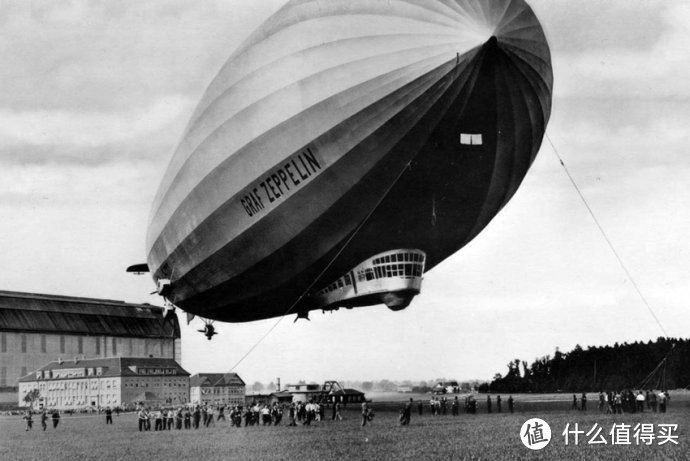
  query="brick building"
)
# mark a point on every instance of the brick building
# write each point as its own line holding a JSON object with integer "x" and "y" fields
{"x": 36, "y": 329}
{"x": 107, "y": 382}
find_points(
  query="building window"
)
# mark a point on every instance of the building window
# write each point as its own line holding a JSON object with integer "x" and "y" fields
{"x": 80, "y": 345}
{"x": 62, "y": 344}
{"x": 43, "y": 343}
{"x": 114, "y": 346}
{"x": 162, "y": 354}
{"x": 3, "y": 342}
{"x": 23, "y": 345}
{"x": 23, "y": 371}
{"x": 98, "y": 346}
{"x": 3, "y": 376}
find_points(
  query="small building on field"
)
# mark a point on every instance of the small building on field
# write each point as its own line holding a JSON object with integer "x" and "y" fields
{"x": 217, "y": 389}
{"x": 329, "y": 392}
{"x": 446, "y": 387}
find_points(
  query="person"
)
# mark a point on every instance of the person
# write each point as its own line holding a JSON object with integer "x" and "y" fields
{"x": 108, "y": 416}
{"x": 420, "y": 408}
{"x": 640, "y": 399}
{"x": 407, "y": 413}
{"x": 142, "y": 417}
{"x": 158, "y": 421}
{"x": 56, "y": 418}
{"x": 196, "y": 416}
{"x": 178, "y": 419}
{"x": 498, "y": 403}
{"x": 662, "y": 402}
{"x": 204, "y": 416}
{"x": 574, "y": 407}
{"x": 187, "y": 418}
{"x": 583, "y": 401}
{"x": 455, "y": 407}
{"x": 117, "y": 410}
{"x": 365, "y": 413}
{"x": 488, "y": 404}
{"x": 44, "y": 420}
{"x": 28, "y": 420}
{"x": 338, "y": 407}
{"x": 617, "y": 404}
{"x": 209, "y": 416}
{"x": 317, "y": 411}
{"x": 265, "y": 415}
{"x": 511, "y": 404}
{"x": 171, "y": 418}
{"x": 291, "y": 415}
{"x": 221, "y": 413}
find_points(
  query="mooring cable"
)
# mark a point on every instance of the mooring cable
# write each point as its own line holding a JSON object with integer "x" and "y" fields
{"x": 603, "y": 233}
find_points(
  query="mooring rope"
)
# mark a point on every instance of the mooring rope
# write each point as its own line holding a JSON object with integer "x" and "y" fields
{"x": 603, "y": 233}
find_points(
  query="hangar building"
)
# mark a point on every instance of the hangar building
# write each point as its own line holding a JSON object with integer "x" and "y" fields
{"x": 36, "y": 329}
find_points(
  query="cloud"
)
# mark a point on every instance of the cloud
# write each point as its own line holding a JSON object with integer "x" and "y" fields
{"x": 114, "y": 55}
{"x": 77, "y": 128}
{"x": 641, "y": 54}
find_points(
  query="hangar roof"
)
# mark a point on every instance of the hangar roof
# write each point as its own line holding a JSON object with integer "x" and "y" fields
{"x": 40, "y": 313}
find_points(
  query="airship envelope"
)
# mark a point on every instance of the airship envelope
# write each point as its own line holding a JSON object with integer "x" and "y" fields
{"x": 346, "y": 147}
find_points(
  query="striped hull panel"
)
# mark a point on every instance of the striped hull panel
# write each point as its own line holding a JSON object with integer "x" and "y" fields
{"x": 392, "y": 174}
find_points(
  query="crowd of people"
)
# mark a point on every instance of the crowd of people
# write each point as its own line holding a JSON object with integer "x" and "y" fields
{"x": 43, "y": 416}
{"x": 199, "y": 416}
{"x": 306, "y": 413}
{"x": 627, "y": 401}
{"x": 439, "y": 406}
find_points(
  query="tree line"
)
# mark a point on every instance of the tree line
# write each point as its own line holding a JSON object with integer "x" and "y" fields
{"x": 662, "y": 364}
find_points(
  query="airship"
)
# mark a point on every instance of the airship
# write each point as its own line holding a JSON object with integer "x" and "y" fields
{"x": 346, "y": 148}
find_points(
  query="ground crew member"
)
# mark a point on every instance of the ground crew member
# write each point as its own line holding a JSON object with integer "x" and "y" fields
{"x": 143, "y": 419}
{"x": 29, "y": 421}
{"x": 406, "y": 414}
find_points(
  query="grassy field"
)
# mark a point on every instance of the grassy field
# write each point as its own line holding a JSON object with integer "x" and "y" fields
{"x": 466, "y": 437}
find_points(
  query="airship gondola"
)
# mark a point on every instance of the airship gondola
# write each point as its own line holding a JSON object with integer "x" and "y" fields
{"x": 345, "y": 148}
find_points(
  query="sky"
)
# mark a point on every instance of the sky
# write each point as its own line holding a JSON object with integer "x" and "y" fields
{"x": 94, "y": 96}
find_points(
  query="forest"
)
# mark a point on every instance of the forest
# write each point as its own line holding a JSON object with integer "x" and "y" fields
{"x": 662, "y": 364}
